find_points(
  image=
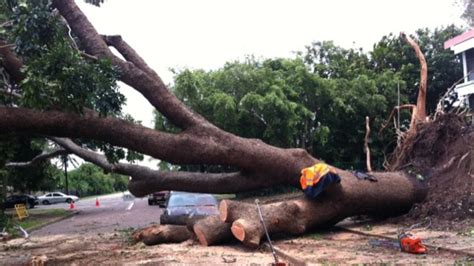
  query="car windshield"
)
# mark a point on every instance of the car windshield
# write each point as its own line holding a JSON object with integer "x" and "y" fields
{"x": 191, "y": 200}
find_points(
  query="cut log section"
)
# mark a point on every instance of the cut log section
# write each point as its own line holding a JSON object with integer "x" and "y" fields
{"x": 158, "y": 234}
{"x": 211, "y": 231}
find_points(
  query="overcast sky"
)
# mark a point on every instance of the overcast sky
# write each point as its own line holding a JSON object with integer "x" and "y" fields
{"x": 207, "y": 33}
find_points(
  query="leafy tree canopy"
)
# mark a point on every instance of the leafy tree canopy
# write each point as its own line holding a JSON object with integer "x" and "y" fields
{"x": 90, "y": 179}
{"x": 319, "y": 100}
{"x": 57, "y": 75}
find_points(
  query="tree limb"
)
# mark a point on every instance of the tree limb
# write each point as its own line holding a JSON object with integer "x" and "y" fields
{"x": 152, "y": 88}
{"x": 40, "y": 158}
{"x": 421, "y": 100}
{"x": 129, "y": 54}
{"x": 11, "y": 62}
{"x": 11, "y": 93}
{"x": 145, "y": 180}
{"x": 188, "y": 147}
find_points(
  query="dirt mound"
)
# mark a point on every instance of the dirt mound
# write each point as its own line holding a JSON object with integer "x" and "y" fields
{"x": 442, "y": 153}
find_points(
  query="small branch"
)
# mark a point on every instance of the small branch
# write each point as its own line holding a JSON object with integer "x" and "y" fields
{"x": 439, "y": 106}
{"x": 42, "y": 157}
{"x": 7, "y": 46}
{"x": 366, "y": 144}
{"x": 6, "y": 23}
{"x": 405, "y": 106}
{"x": 88, "y": 56}
{"x": 11, "y": 93}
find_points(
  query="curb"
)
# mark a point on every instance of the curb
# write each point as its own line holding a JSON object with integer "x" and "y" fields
{"x": 460, "y": 252}
{"x": 34, "y": 228}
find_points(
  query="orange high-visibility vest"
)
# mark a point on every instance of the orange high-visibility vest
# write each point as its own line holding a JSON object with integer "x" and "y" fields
{"x": 311, "y": 175}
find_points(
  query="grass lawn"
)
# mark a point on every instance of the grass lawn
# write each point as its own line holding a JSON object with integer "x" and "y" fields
{"x": 36, "y": 218}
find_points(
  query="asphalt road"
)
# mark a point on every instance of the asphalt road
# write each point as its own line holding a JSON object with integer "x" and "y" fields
{"x": 113, "y": 213}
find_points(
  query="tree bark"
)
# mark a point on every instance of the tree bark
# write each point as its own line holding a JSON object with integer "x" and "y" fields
{"x": 158, "y": 234}
{"x": 392, "y": 194}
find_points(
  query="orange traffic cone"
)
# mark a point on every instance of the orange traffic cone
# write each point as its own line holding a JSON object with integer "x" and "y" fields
{"x": 71, "y": 206}
{"x": 97, "y": 204}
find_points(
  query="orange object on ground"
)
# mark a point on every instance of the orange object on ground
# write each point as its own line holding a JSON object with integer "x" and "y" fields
{"x": 411, "y": 244}
{"x": 71, "y": 206}
{"x": 97, "y": 204}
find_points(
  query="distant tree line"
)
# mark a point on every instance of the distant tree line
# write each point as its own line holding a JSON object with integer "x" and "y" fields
{"x": 319, "y": 99}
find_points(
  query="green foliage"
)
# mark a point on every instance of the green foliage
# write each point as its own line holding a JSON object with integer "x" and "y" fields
{"x": 444, "y": 68}
{"x": 22, "y": 149}
{"x": 319, "y": 100}
{"x": 89, "y": 179}
{"x": 95, "y": 2}
{"x": 57, "y": 76}
{"x": 468, "y": 14}
{"x": 284, "y": 103}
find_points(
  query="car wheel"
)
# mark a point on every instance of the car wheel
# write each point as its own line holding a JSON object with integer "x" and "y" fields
{"x": 27, "y": 205}
{"x": 69, "y": 201}
{"x": 45, "y": 202}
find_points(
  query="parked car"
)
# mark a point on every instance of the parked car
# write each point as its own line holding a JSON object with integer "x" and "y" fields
{"x": 28, "y": 200}
{"x": 181, "y": 206}
{"x": 57, "y": 197}
{"x": 158, "y": 198}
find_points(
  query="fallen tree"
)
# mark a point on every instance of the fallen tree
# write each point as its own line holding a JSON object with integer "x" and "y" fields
{"x": 199, "y": 143}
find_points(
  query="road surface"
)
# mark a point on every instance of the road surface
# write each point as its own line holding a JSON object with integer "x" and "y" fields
{"x": 113, "y": 214}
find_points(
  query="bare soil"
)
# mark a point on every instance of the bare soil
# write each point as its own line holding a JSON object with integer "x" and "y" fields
{"x": 332, "y": 246}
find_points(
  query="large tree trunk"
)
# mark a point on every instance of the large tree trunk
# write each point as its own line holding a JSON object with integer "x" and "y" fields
{"x": 392, "y": 194}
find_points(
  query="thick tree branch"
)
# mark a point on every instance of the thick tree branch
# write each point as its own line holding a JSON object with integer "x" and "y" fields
{"x": 40, "y": 158}
{"x": 129, "y": 54}
{"x": 152, "y": 88}
{"x": 193, "y": 147}
{"x": 145, "y": 180}
{"x": 421, "y": 100}
{"x": 11, "y": 62}
{"x": 113, "y": 130}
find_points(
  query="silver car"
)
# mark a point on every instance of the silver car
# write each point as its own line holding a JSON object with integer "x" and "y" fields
{"x": 57, "y": 197}
{"x": 182, "y": 206}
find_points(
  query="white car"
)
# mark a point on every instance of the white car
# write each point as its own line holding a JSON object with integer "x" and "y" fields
{"x": 57, "y": 197}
